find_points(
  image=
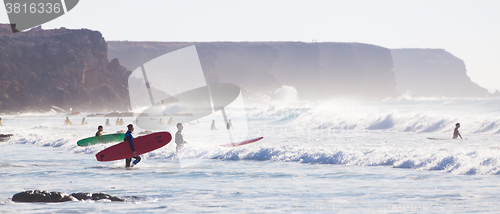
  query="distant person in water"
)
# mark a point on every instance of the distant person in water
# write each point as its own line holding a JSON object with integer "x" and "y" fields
{"x": 179, "y": 138}
{"x": 68, "y": 122}
{"x": 170, "y": 121}
{"x": 83, "y": 121}
{"x": 456, "y": 133}
{"x": 161, "y": 121}
{"x": 212, "y": 127}
{"x": 1, "y": 121}
{"x": 229, "y": 125}
{"x": 99, "y": 133}
{"x": 107, "y": 122}
{"x": 121, "y": 122}
{"x": 130, "y": 139}
{"x": 117, "y": 121}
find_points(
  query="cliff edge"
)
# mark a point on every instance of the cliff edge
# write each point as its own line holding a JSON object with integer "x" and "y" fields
{"x": 433, "y": 72}
{"x": 64, "y": 68}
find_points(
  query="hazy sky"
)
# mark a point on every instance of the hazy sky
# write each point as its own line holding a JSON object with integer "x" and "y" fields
{"x": 469, "y": 29}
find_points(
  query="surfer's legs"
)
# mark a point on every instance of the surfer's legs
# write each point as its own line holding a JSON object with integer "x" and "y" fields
{"x": 127, "y": 162}
{"x": 137, "y": 160}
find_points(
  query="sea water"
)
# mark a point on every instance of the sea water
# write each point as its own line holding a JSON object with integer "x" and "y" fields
{"x": 345, "y": 157}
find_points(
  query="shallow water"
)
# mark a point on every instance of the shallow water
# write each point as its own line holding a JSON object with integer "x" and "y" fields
{"x": 320, "y": 159}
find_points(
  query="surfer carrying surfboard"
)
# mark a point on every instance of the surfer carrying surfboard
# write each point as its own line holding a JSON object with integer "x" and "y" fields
{"x": 456, "y": 133}
{"x": 130, "y": 139}
{"x": 179, "y": 138}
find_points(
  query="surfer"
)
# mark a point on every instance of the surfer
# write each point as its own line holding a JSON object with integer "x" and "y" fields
{"x": 83, "y": 121}
{"x": 107, "y": 122}
{"x": 68, "y": 122}
{"x": 130, "y": 138}
{"x": 161, "y": 121}
{"x": 121, "y": 122}
{"x": 98, "y": 133}
{"x": 179, "y": 138}
{"x": 212, "y": 127}
{"x": 117, "y": 122}
{"x": 456, "y": 133}
{"x": 170, "y": 121}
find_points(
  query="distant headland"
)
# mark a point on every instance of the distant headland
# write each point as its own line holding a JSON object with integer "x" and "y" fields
{"x": 62, "y": 68}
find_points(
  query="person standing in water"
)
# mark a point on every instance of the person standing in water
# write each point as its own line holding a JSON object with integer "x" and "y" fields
{"x": 179, "y": 138}
{"x": 99, "y": 133}
{"x": 212, "y": 127}
{"x": 68, "y": 122}
{"x": 107, "y": 122}
{"x": 229, "y": 125}
{"x": 456, "y": 133}
{"x": 130, "y": 139}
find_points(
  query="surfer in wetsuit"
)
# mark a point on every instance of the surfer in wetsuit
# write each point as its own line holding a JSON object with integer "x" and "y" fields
{"x": 130, "y": 139}
{"x": 98, "y": 133}
{"x": 179, "y": 138}
{"x": 456, "y": 133}
{"x": 68, "y": 122}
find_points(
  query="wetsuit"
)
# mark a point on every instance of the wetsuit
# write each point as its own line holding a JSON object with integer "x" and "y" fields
{"x": 130, "y": 139}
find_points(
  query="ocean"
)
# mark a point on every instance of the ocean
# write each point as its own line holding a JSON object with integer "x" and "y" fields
{"x": 319, "y": 157}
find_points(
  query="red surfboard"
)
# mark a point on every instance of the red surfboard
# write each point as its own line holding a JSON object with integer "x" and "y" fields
{"x": 142, "y": 144}
{"x": 242, "y": 142}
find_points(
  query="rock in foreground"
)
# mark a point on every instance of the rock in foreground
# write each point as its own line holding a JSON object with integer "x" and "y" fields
{"x": 46, "y": 196}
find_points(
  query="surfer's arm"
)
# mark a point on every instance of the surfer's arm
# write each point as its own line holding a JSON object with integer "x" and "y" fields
{"x": 131, "y": 142}
{"x": 132, "y": 146}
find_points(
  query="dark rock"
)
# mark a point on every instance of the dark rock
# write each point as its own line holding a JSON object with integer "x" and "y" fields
{"x": 45, "y": 196}
{"x": 95, "y": 196}
{"x": 41, "y": 196}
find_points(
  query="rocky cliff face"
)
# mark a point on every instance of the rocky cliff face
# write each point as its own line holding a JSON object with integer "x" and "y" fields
{"x": 433, "y": 72}
{"x": 318, "y": 71}
{"x": 65, "y": 68}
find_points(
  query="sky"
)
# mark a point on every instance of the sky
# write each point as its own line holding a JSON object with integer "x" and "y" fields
{"x": 470, "y": 30}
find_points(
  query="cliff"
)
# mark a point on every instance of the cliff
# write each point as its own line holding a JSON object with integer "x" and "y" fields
{"x": 433, "y": 72}
{"x": 64, "y": 68}
{"x": 318, "y": 71}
